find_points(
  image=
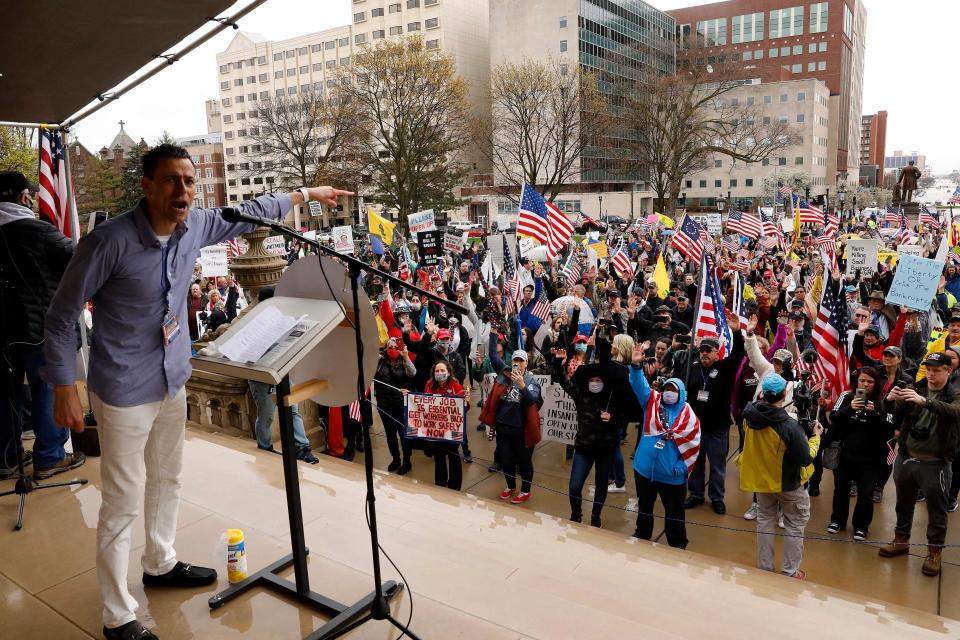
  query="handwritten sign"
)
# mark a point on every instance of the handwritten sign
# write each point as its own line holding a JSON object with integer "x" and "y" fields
{"x": 213, "y": 261}
{"x": 910, "y": 250}
{"x": 315, "y": 209}
{"x": 452, "y": 242}
{"x": 433, "y": 417}
{"x": 343, "y": 239}
{"x": 428, "y": 244}
{"x": 526, "y": 246}
{"x": 915, "y": 282}
{"x": 558, "y": 415}
{"x": 862, "y": 255}
{"x": 421, "y": 221}
{"x": 275, "y": 245}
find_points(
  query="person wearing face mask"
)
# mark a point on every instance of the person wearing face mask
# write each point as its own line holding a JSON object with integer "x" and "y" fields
{"x": 447, "y": 470}
{"x": 602, "y": 395}
{"x": 668, "y": 447}
{"x": 435, "y": 346}
{"x": 395, "y": 376}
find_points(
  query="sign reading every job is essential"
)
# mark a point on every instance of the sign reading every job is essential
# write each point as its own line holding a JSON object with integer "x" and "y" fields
{"x": 433, "y": 417}
{"x": 915, "y": 283}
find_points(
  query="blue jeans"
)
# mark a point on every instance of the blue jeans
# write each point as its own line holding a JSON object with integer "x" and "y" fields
{"x": 48, "y": 446}
{"x": 714, "y": 447}
{"x": 265, "y": 407}
{"x": 583, "y": 461}
{"x": 617, "y": 474}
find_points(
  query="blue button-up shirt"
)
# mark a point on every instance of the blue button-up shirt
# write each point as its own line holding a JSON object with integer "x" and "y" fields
{"x": 119, "y": 266}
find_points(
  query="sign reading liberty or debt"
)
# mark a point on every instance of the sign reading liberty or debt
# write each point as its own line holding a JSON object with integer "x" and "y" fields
{"x": 428, "y": 244}
{"x": 433, "y": 417}
{"x": 915, "y": 282}
{"x": 558, "y": 415}
{"x": 862, "y": 256}
{"x": 343, "y": 239}
{"x": 213, "y": 261}
{"x": 421, "y": 221}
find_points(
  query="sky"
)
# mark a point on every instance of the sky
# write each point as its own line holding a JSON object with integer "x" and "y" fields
{"x": 907, "y": 74}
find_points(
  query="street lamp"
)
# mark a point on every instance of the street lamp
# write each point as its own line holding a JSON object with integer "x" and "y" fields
{"x": 828, "y": 200}
{"x": 720, "y": 203}
{"x": 729, "y": 199}
{"x": 601, "y": 206}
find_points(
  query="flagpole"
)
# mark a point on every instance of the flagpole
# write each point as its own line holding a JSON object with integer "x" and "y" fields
{"x": 693, "y": 330}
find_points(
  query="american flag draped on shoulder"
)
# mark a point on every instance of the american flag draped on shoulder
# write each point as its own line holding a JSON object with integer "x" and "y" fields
{"x": 56, "y": 192}
{"x": 689, "y": 239}
{"x": 711, "y": 319}
{"x": 685, "y": 429}
{"x": 543, "y": 220}
{"x": 830, "y": 341}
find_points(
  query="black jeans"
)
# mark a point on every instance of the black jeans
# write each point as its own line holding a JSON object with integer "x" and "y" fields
{"x": 582, "y": 463}
{"x": 447, "y": 468}
{"x": 933, "y": 477}
{"x": 955, "y": 484}
{"x": 865, "y": 475}
{"x": 392, "y": 418}
{"x": 515, "y": 457}
{"x": 672, "y": 496}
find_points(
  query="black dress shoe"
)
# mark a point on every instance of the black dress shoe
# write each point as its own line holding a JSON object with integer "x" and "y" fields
{"x": 130, "y": 631}
{"x": 404, "y": 468}
{"x": 719, "y": 507}
{"x": 270, "y": 449}
{"x": 692, "y": 502}
{"x": 182, "y": 575}
{"x": 595, "y": 521}
{"x": 394, "y": 464}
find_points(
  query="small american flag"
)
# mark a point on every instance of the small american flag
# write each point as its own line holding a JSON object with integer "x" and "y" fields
{"x": 233, "y": 248}
{"x": 689, "y": 239}
{"x": 744, "y": 223}
{"x": 738, "y": 305}
{"x": 730, "y": 244}
{"x": 355, "y": 412}
{"x": 711, "y": 319}
{"x": 621, "y": 260}
{"x": 741, "y": 265}
{"x": 511, "y": 280}
{"x": 56, "y": 194}
{"x": 541, "y": 308}
{"x": 783, "y": 189}
{"x": 892, "y": 215}
{"x": 772, "y": 233}
{"x": 929, "y": 218}
{"x": 573, "y": 273}
{"x": 830, "y": 340}
{"x": 809, "y": 214}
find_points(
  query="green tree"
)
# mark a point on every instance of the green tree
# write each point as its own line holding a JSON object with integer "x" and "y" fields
{"x": 18, "y": 151}
{"x": 130, "y": 191}
{"x": 414, "y": 123}
{"x": 165, "y": 138}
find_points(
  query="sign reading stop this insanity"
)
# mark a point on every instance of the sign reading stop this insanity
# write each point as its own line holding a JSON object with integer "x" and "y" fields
{"x": 433, "y": 417}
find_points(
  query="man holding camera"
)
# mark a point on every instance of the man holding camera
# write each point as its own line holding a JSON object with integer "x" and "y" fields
{"x": 926, "y": 445}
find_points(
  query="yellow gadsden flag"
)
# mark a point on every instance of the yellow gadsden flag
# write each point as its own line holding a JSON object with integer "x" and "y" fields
{"x": 600, "y": 248}
{"x": 661, "y": 278}
{"x": 380, "y": 226}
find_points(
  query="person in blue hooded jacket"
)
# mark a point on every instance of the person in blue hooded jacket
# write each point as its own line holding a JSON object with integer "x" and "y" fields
{"x": 668, "y": 447}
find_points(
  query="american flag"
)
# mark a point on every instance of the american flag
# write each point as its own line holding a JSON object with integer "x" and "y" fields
{"x": 711, "y": 319}
{"x": 783, "y": 189}
{"x": 892, "y": 215}
{"x": 741, "y": 265}
{"x": 541, "y": 308}
{"x": 809, "y": 213}
{"x": 56, "y": 194}
{"x": 830, "y": 340}
{"x": 233, "y": 248}
{"x": 621, "y": 260}
{"x": 827, "y": 242}
{"x": 355, "y": 412}
{"x": 572, "y": 268}
{"x": 730, "y": 244}
{"x": 687, "y": 239}
{"x": 511, "y": 280}
{"x": 831, "y": 224}
{"x": 543, "y": 220}
{"x": 929, "y": 218}
{"x": 738, "y": 306}
{"x": 744, "y": 223}
{"x": 772, "y": 233}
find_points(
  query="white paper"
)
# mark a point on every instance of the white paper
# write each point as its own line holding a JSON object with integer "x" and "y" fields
{"x": 250, "y": 342}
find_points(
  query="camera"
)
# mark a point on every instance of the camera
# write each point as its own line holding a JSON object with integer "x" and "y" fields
{"x": 802, "y": 395}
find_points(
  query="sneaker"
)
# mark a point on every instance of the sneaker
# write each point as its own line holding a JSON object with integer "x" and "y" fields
{"x": 520, "y": 498}
{"x": 270, "y": 449}
{"x": 751, "y": 513}
{"x": 952, "y": 506}
{"x": 613, "y": 488}
{"x": 307, "y": 456}
{"x": 878, "y": 495}
{"x": 394, "y": 464}
{"x": 70, "y": 461}
{"x": 800, "y": 575}
{"x": 834, "y": 528}
{"x": 859, "y": 535}
{"x": 780, "y": 520}
{"x": 506, "y": 494}
{"x": 130, "y": 631}
{"x": 28, "y": 434}
{"x": 467, "y": 457}
{"x": 813, "y": 491}
{"x": 576, "y": 517}
{"x": 182, "y": 575}
{"x": 921, "y": 497}
{"x": 9, "y": 472}
{"x": 853, "y": 491}
{"x": 692, "y": 502}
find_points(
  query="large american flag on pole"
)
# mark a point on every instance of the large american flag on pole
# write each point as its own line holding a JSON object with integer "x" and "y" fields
{"x": 743, "y": 223}
{"x": 687, "y": 239}
{"x": 809, "y": 213}
{"x": 772, "y": 233}
{"x": 711, "y": 319}
{"x": 621, "y": 261}
{"x": 830, "y": 340}
{"x": 56, "y": 193}
{"x": 543, "y": 220}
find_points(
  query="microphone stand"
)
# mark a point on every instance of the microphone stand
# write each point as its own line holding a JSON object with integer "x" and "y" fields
{"x": 379, "y": 609}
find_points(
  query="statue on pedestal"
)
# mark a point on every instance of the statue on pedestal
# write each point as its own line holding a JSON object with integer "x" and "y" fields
{"x": 909, "y": 176}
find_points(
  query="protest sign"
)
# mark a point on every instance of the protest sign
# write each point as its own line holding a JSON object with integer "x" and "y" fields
{"x": 526, "y": 246}
{"x": 543, "y": 381}
{"x": 315, "y": 209}
{"x": 343, "y": 239}
{"x": 433, "y": 417}
{"x": 558, "y": 415}
{"x": 213, "y": 261}
{"x": 275, "y": 245}
{"x": 909, "y": 250}
{"x": 421, "y": 221}
{"x": 452, "y": 242}
{"x": 712, "y": 222}
{"x": 862, "y": 255}
{"x": 428, "y": 244}
{"x": 915, "y": 282}
{"x": 495, "y": 246}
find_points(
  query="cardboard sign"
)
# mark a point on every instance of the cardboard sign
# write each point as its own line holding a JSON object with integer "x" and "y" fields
{"x": 558, "y": 415}
{"x": 433, "y": 417}
{"x": 428, "y": 245}
{"x": 862, "y": 255}
{"x": 543, "y": 381}
{"x": 915, "y": 283}
{"x": 909, "y": 250}
{"x": 526, "y": 246}
{"x": 213, "y": 261}
{"x": 315, "y": 209}
{"x": 275, "y": 245}
{"x": 452, "y": 242}
{"x": 343, "y": 239}
{"x": 495, "y": 247}
{"x": 421, "y": 221}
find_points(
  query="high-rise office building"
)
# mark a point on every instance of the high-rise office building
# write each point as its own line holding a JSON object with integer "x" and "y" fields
{"x": 873, "y": 148}
{"x": 779, "y": 40}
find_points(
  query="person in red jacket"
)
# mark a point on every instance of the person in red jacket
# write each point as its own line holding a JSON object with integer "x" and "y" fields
{"x": 447, "y": 469}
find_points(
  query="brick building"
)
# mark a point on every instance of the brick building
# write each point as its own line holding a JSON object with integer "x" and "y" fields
{"x": 873, "y": 148}
{"x": 206, "y": 151}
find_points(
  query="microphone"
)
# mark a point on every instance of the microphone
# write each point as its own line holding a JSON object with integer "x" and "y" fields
{"x": 235, "y": 215}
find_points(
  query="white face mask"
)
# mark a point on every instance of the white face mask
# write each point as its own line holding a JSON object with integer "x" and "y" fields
{"x": 595, "y": 387}
{"x": 670, "y": 397}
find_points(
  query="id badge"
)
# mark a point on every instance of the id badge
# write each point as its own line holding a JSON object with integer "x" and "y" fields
{"x": 171, "y": 329}
{"x": 658, "y": 444}
{"x": 703, "y": 396}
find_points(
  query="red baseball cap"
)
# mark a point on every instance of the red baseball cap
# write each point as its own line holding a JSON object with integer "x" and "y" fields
{"x": 444, "y": 334}
{"x": 580, "y": 338}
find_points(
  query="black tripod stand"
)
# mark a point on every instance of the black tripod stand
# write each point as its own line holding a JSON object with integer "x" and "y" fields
{"x": 378, "y": 607}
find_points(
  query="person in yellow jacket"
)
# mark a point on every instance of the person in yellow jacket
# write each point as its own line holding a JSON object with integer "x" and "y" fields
{"x": 950, "y": 338}
{"x": 775, "y": 450}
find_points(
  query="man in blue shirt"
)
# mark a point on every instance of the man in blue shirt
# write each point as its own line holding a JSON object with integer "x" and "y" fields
{"x": 137, "y": 269}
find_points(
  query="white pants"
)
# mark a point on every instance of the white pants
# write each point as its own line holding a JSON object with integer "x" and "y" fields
{"x": 138, "y": 443}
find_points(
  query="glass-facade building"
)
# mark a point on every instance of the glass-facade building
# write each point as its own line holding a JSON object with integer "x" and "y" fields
{"x": 623, "y": 42}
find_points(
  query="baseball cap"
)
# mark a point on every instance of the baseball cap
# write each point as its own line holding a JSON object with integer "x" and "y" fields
{"x": 519, "y": 354}
{"x": 580, "y": 338}
{"x": 13, "y": 183}
{"x": 783, "y": 356}
{"x": 938, "y": 359}
{"x": 613, "y": 293}
{"x": 874, "y": 329}
{"x": 773, "y": 383}
{"x": 710, "y": 343}
{"x": 954, "y": 316}
{"x": 444, "y": 334}
{"x": 768, "y": 274}
{"x": 797, "y": 315}
{"x": 893, "y": 351}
